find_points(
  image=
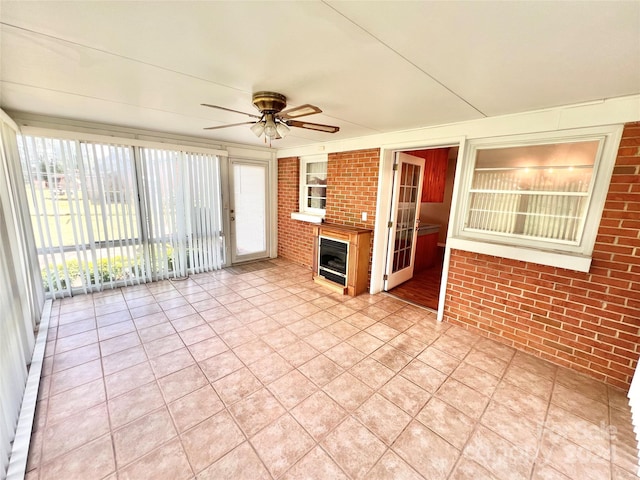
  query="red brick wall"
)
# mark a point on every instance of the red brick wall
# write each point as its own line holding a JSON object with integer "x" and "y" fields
{"x": 589, "y": 322}
{"x": 295, "y": 239}
{"x": 352, "y": 187}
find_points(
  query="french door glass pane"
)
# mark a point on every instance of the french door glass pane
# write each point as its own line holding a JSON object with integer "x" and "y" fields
{"x": 250, "y": 210}
{"x": 407, "y": 204}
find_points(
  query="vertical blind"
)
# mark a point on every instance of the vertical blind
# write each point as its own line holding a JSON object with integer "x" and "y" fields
{"x": 21, "y": 297}
{"x": 84, "y": 208}
{"x": 183, "y": 217}
{"x": 205, "y": 238}
{"x": 108, "y": 215}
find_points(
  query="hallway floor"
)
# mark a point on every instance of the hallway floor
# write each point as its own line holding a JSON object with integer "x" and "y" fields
{"x": 255, "y": 372}
{"x": 422, "y": 289}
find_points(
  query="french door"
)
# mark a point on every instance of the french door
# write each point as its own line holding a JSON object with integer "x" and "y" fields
{"x": 405, "y": 214}
{"x": 249, "y": 210}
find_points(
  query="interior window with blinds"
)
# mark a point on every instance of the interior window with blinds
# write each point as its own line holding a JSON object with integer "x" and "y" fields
{"x": 538, "y": 192}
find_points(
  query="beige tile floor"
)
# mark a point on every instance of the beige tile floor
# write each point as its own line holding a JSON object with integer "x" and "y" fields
{"x": 257, "y": 373}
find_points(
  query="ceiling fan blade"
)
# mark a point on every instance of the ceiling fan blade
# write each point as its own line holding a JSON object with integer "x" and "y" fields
{"x": 230, "y": 110}
{"x": 313, "y": 126}
{"x": 300, "y": 111}
{"x": 229, "y": 125}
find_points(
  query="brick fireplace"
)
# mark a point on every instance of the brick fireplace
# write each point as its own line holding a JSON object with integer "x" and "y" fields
{"x": 352, "y": 188}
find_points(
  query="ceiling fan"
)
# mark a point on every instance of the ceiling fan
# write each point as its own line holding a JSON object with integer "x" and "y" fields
{"x": 273, "y": 121}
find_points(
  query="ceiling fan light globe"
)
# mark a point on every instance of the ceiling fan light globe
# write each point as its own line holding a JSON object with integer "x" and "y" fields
{"x": 270, "y": 131}
{"x": 257, "y": 128}
{"x": 270, "y": 127}
{"x": 282, "y": 129}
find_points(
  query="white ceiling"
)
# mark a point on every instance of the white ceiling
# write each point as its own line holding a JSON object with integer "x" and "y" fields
{"x": 372, "y": 67}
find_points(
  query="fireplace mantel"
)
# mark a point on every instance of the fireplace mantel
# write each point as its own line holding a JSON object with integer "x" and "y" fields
{"x": 359, "y": 241}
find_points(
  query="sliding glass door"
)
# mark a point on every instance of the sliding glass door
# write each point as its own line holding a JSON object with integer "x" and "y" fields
{"x": 182, "y": 212}
{"x": 112, "y": 214}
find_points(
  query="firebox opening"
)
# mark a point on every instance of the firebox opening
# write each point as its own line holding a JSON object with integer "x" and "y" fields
{"x": 332, "y": 260}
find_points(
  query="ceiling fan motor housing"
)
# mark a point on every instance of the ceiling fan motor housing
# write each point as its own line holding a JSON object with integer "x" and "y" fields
{"x": 269, "y": 102}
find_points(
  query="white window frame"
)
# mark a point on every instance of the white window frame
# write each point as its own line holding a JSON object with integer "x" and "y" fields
{"x": 570, "y": 255}
{"x": 305, "y": 213}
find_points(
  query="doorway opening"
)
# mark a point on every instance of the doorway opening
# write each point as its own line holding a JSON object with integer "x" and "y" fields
{"x": 423, "y": 285}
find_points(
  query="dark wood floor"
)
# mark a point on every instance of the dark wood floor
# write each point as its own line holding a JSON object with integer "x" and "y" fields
{"x": 423, "y": 289}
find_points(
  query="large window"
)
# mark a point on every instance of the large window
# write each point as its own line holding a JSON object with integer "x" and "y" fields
{"x": 83, "y": 201}
{"x": 313, "y": 184}
{"x": 107, "y": 214}
{"x": 544, "y": 193}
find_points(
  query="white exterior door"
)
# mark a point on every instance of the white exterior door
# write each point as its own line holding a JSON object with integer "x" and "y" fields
{"x": 405, "y": 216}
{"x": 249, "y": 210}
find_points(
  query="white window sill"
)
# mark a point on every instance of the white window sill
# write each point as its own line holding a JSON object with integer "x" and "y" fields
{"x": 307, "y": 217}
{"x": 570, "y": 261}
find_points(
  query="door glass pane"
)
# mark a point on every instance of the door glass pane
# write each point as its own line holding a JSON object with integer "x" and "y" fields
{"x": 407, "y": 204}
{"x": 250, "y": 212}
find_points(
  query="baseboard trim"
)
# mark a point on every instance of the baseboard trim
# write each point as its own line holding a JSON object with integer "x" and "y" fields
{"x": 20, "y": 451}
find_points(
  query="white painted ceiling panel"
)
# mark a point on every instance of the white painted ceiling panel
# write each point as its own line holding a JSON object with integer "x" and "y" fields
{"x": 506, "y": 57}
{"x": 370, "y": 66}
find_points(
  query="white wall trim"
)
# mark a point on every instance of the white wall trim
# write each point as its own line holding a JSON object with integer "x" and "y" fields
{"x": 7, "y": 120}
{"x": 307, "y": 217}
{"x": 457, "y": 175}
{"x": 20, "y": 450}
{"x": 273, "y": 210}
{"x": 380, "y": 230}
{"x": 90, "y": 137}
{"x": 443, "y": 282}
{"x": 601, "y": 112}
{"x": 578, "y": 263}
{"x": 23, "y": 119}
